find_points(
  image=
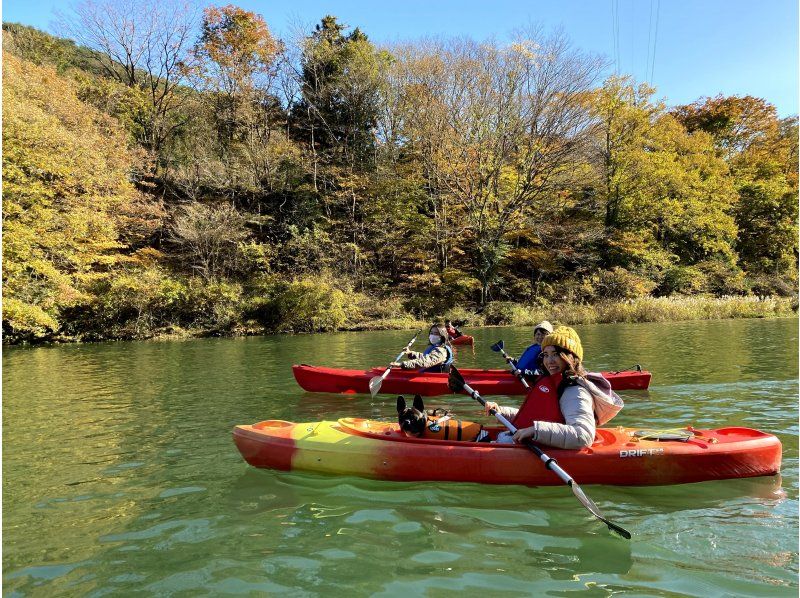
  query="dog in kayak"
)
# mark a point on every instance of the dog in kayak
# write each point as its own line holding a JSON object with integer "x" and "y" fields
{"x": 436, "y": 424}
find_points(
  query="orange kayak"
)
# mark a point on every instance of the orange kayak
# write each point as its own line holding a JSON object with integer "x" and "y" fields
{"x": 486, "y": 382}
{"x": 464, "y": 339}
{"x": 619, "y": 456}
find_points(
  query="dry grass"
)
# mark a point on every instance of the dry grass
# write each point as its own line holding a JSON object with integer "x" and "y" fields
{"x": 645, "y": 309}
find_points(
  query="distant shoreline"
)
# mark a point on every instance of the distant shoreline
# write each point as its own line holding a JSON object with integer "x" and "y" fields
{"x": 642, "y": 310}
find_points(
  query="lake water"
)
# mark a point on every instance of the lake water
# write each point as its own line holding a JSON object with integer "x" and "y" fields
{"x": 120, "y": 476}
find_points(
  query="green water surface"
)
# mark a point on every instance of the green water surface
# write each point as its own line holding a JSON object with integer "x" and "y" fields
{"x": 120, "y": 477}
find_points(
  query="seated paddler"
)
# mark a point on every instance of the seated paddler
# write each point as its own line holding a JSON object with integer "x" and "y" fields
{"x": 452, "y": 331}
{"x": 566, "y": 403}
{"x": 528, "y": 362}
{"x": 436, "y": 357}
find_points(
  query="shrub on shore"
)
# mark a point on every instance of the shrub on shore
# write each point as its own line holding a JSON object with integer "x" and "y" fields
{"x": 149, "y": 303}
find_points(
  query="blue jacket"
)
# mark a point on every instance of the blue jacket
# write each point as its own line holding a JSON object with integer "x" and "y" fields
{"x": 529, "y": 359}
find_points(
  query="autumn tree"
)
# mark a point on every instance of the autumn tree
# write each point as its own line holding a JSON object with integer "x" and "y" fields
{"x": 42, "y": 48}
{"x": 737, "y": 124}
{"x": 67, "y": 199}
{"x": 209, "y": 238}
{"x": 143, "y": 44}
{"x": 667, "y": 194}
{"x": 235, "y": 61}
{"x": 497, "y": 128}
{"x": 625, "y": 117}
{"x": 761, "y": 150}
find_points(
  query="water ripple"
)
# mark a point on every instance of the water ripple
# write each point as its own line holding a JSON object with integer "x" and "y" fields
{"x": 120, "y": 455}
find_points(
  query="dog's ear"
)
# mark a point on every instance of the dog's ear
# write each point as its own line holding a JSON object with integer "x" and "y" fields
{"x": 418, "y": 404}
{"x": 401, "y": 404}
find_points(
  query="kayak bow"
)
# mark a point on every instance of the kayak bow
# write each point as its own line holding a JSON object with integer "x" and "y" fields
{"x": 464, "y": 339}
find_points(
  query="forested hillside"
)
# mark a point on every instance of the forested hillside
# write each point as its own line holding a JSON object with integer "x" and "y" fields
{"x": 200, "y": 174}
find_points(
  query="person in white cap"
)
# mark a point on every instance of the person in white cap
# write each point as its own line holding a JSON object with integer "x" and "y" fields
{"x": 528, "y": 360}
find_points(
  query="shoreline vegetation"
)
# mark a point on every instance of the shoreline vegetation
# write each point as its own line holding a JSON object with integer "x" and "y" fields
{"x": 341, "y": 318}
{"x": 201, "y": 176}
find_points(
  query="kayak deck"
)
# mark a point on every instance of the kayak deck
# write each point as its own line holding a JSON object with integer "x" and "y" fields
{"x": 380, "y": 450}
{"x": 486, "y": 382}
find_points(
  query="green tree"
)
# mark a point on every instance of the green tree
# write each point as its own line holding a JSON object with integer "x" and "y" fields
{"x": 340, "y": 84}
{"x": 339, "y": 78}
{"x": 666, "y": 186}
{"x": 761, "y": 150}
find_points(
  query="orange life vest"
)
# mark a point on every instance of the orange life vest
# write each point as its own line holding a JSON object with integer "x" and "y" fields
{"x": 541, "y": 403}
{"x": 451, "y": 429}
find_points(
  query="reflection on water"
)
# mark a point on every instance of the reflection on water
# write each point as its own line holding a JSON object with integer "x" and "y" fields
{"x": 120, "y": 456}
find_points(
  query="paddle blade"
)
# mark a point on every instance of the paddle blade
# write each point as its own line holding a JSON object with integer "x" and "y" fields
{"x": 594, "y": 510}
{"x": 375, "y": 385}
{"x": 497, "y": 347}
{"x": 455, "y": 380}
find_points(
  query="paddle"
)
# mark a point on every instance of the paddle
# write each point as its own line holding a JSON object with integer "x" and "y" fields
{"x": 457, "y": 384}
{"x": 498, "y": 348}
{"x": 375, "y": 383}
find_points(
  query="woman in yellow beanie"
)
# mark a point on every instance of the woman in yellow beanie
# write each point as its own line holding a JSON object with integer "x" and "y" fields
{"x": 566, "y": 403}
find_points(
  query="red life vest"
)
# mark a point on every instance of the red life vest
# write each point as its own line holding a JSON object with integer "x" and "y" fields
{"x": 541, "y": 403}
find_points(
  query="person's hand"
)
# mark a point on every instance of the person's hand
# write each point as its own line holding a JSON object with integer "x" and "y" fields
{"x": 395, "y": 364}
{"x": 489, "y": 406}
{"x": 406, "y": 351}
{"x": 524, "y": 434}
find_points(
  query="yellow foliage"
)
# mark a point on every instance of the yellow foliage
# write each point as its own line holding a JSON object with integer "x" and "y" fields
{"x": 65, "y": 176}
{"x": 31, "y": 318}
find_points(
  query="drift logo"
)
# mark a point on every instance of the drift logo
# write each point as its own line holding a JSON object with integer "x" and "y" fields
{"x": 641, "y": 452}
{"x": 543, "y": 388}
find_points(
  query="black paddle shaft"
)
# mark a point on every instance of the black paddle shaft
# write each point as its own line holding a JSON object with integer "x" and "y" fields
{"x": 498, "y": 347}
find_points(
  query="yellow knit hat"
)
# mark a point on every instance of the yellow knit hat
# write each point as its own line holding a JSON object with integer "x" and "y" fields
{"x": 564, "y": 337}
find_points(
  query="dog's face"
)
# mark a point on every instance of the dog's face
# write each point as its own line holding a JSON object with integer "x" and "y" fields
{"x": 412, "y": 419}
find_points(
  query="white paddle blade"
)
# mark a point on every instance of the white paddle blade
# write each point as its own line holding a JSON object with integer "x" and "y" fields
{"x": 375, "y": 385}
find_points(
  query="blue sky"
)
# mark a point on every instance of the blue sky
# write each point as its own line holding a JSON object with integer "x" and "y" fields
{"x": 692, "y": 48}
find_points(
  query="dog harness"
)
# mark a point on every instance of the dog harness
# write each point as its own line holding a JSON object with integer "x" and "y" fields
{"x": 541, "y": 403}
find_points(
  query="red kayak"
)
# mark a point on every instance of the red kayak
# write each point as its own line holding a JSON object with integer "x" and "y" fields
{"x": 486, "y": 382}
{"x": 625, "y": 456}
{"x": 464, "y": 339}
